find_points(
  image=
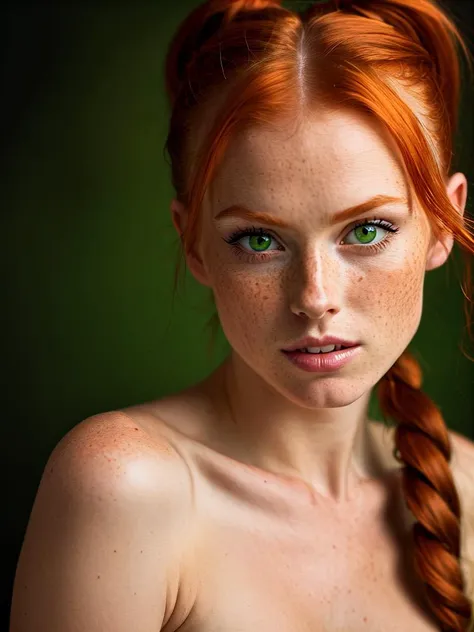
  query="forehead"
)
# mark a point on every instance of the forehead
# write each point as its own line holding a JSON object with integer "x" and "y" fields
{"x": 329, "y": 153}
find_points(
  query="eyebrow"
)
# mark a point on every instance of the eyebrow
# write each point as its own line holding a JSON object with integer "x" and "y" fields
{"x": 238, "y": 210}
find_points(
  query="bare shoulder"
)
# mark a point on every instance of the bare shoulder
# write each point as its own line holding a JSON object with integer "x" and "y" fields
{"x": 462, "y": 467}
{"x": 112, "y": 452}
{"x": 462, "y": 461}
{"x": 108, "y": 531}
{"x": 463, "y": 454}
{"x": 462, "y": 464}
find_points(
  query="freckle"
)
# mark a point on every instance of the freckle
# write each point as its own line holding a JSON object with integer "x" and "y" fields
{"x": 365, "y": 619}
{"x": 98, "y": 576}
{"x": 334, "y": 546}
{"x": 141, "y": 551}
{"x": 115, "y": 550}
{"x": 135, "y": 428}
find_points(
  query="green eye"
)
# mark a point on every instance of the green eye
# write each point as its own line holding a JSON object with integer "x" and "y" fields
{"x": 260, "y": 242}
{"x": 366, "y": 233}
{"x": 367, "y": 230}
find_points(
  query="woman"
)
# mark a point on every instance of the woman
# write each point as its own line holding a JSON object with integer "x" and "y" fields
{"x": 310, "y": 155}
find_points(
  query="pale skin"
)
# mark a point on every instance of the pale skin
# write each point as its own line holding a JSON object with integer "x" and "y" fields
{"x": 312, "y": 428}
{"x": 261, "y": 498}
{"x": 315, "y": 286}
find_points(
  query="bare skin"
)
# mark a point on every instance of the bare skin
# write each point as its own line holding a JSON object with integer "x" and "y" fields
{"x": 315, "y": 279}
{"x": 318, "y": 538}
{"x": 262, "y": 498}
{"x": 268, "y": 552}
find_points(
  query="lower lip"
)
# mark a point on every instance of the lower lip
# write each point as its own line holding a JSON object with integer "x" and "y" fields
{"x": 322, "y": 362}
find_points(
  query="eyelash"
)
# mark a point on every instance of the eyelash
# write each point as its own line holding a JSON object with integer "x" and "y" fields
{"x": 238, "y": 234}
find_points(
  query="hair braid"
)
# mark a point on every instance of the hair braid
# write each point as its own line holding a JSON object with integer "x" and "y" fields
{"x": 423, "y": 445}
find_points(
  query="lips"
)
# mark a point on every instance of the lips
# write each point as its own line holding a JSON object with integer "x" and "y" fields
{"x": 326, "y": 341}
{"x": 323, "y": 362}
{"x": 336, "y": 348}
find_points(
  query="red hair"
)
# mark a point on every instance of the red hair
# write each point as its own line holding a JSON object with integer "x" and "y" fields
{"x": 235, "y": 64}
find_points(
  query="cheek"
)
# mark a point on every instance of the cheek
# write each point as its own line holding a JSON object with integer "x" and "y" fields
{"x": 247, "y": 301}
{"x": 246, "y": 292}
{"x": 392, "y": 297}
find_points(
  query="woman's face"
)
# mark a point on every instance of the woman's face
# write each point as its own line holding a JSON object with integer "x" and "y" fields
{"x": 315, "y": 276}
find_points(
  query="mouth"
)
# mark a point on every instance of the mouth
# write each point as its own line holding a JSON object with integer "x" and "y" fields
{"x": 328, "y": 349}
{"x": 306, "y": 350}
{"x": 323, "y": 361}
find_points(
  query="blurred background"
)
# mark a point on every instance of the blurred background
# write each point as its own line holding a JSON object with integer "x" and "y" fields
{"x": 90, "y": 250}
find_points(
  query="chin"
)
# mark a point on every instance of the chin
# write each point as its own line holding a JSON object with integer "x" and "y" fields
{"x": 316, "y": 390}
{"x": 327, "y": 392}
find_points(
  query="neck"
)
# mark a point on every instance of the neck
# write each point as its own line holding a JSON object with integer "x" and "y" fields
{"x": 331, "y": 449}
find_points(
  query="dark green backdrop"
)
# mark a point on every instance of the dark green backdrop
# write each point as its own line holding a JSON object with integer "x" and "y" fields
{"x": 89, "y": 247}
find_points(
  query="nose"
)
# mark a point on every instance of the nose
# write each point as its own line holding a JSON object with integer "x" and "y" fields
{"x": 316, "y": 287}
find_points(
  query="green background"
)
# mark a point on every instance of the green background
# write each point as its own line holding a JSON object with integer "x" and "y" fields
{"x": 89, "y": 248}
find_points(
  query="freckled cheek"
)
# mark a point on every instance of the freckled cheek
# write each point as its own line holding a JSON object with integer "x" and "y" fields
{"x": 242, "y": 290}
{"x": 391, "y": 298}
{"x": 247, "y": 301}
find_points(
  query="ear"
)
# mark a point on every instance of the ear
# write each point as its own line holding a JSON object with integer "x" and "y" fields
{"x": 179, "y": 215}
{"x": 439, "y": 251}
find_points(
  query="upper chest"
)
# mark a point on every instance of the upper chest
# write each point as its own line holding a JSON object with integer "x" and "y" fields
{"x": 260, "y": 563}
{"x": 269, "y": 566}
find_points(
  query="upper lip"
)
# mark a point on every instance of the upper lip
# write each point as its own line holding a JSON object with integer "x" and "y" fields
{"x": 319, "y": 342}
